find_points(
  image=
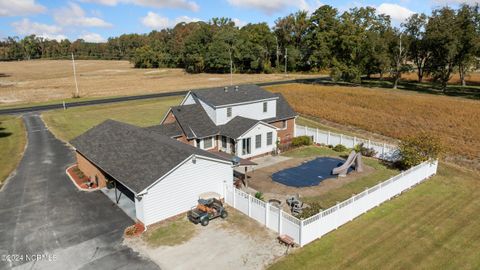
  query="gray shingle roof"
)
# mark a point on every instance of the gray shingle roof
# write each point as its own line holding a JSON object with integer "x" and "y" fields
{"x": 245, "y": 93}
{"x": 132, "y": 155}
{"x": 237, "y": 126}
{"x": 170, "y": 130}
{"x": 194, "y": 121}
{"x": 284, "y": 110}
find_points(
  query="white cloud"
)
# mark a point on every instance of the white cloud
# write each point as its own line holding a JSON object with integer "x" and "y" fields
{"x": 155, "y": 21}
{"x": 183, "y": 4}
{"x": 272, "y": 6}
{"x": 20, "y": 8}
{"x": 74, "y": 15}
{"x": 48, "y": 31}
{"x": 396, "y": 12}
{"x": 446, "y": 2}
{"x": 92, "y": 37}
{"x": 239, "y": 22}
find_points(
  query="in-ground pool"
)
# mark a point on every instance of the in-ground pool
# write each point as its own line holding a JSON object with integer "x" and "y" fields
{"x": 308, "y": 174}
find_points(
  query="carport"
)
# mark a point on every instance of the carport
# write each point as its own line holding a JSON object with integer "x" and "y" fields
{"x": 123, "y": 197}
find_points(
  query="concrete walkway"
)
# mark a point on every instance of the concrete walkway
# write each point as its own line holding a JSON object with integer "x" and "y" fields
{"x": 124, "y": 203}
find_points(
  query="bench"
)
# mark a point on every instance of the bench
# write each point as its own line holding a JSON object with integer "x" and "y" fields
{"x": 286, "y": 240}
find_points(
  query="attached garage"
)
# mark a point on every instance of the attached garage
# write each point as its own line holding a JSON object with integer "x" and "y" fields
{"x": 164, "y": 176}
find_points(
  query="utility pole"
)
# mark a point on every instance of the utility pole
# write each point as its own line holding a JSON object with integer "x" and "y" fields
{"x": 286, "y": 58}
{"x": 277, "y": 64}
{"x": 77, "y": 94}
{"x": 231, "y": 68}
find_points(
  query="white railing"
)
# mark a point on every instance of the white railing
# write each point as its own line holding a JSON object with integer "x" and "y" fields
{"x": 383, "y": 151}
{"x": 306, "y": 230}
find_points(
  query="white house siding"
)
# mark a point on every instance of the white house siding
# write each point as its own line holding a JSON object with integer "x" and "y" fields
{"x": 139, "y": 210}
{"x": 262, "y": 129}
{"x": 209, "y": 110}
{"x": 178, "y": 192}
{"x": 188, "y": 100}
{"x": 252, "y": 111}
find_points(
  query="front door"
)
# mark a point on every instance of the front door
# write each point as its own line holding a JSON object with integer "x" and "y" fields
{"x": 246, "y": 146}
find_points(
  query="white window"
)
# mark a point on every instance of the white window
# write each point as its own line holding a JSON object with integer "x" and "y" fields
{"x": 258, "y": 141}
{"x": 229, "y": 112}
{"x": 265, "y": 106}
{"x": 269, "y": 138}
{"x": 208, "y": 143}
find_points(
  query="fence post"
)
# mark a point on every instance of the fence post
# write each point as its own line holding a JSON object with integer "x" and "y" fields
{"x": 354, "y": 141}
{"x": 383, "y": 149}
{"x": 328, "y": 138}
{"x": 300, "y": 233}
{"x": 369, "y": 144}
{"x": 280, "y": 217}
{"x": 249, "y": 205}
{"x": 234, "y": 191}
{"x": 341, "y": 138}
{"x": 316, "y": 137}
{"x": 267, "y": 212}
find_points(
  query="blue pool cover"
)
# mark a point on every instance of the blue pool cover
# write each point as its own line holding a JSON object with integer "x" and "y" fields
{"x": 308, "y": 174}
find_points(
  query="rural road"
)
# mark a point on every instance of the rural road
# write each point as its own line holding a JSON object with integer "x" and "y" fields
{"x": 42, "y": 213}
{"x": 127, "y": 98}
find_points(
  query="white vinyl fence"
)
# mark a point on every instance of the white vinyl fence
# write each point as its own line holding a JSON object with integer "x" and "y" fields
{"x": 384, "y": 151}
{"x": 306, "y": 230}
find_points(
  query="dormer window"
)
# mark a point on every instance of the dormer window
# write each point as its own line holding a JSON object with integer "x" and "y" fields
{"x": 265, "y": 107}
{"x": 229, "y": 112}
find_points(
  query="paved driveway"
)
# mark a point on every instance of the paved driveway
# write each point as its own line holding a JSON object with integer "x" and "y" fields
{"x": 41, "y": 212}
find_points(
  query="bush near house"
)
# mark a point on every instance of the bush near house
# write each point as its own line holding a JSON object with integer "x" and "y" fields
{"x": 365, "y": 151}
{"x": 339, "y": 148}
{"x": 301, "y": 140}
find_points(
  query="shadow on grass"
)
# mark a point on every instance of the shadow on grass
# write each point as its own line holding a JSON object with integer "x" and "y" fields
{"x": 3, "y": 75}
{"x": 469, "y": 92}
{"x": 5, "y": 134}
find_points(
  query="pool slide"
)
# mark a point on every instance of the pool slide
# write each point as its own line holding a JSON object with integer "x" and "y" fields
{"x": 343, "y": 169}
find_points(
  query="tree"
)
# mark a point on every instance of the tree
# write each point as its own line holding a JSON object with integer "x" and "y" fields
{"x": 419, "y": 50}
{"x": 468, "y": 39}
{"x": 443, "y": 35}
{"x": 417, "y": 149}
{"x": 398, "y": 52}
{"x": 321, "y": 37}
{"x": 145, "y": 57}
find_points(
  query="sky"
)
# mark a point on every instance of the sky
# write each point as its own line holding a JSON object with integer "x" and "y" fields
{"x": 96, "y": 20}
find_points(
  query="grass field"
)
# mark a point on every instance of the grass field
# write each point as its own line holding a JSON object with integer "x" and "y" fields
{"x": 394, "y": 114}
{"x": 170, "y": 233}
{"x": 45, "y": 80}
{"x": 12, "y": 144}
{"x": 432, "y": 226}
{"x": 68, "y": 124}
{"x": 344, "y": 192}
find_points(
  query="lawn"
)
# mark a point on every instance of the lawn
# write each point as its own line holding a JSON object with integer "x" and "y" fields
{"x": 12, "y": 144}
{"x": 344, "y": 192}
{"x": 67, "y": 124}
{"x": 170, "y": 233}
{"x": 394, "y": 113}
{"x": 432, "y": 226}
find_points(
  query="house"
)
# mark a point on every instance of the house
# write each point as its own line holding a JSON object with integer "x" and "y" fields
{"x": 162, "y": 176}
{"x": 245, "y": 121}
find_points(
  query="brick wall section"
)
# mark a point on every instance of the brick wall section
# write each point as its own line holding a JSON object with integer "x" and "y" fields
{"x": 90, "y": 170}
{"x": 286, "y": 135}
{"x": 170, "y": 118}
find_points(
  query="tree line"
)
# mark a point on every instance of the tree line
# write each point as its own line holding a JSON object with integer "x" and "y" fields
{"x": 355, "y": 43}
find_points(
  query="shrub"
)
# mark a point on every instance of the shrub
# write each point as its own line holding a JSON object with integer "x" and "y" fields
{"x": 417, "y": 149}
{"x": 313, "y": 209}
{"x": 339, "y": 148}
{"x": 367, "y": 152}
{"x": 259, "y": 195}
{"x": 301, "y": 140}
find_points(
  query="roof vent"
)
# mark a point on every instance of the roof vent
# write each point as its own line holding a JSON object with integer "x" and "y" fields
{"x": 236, "y": 88}
{"x": 225, "y": 89}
